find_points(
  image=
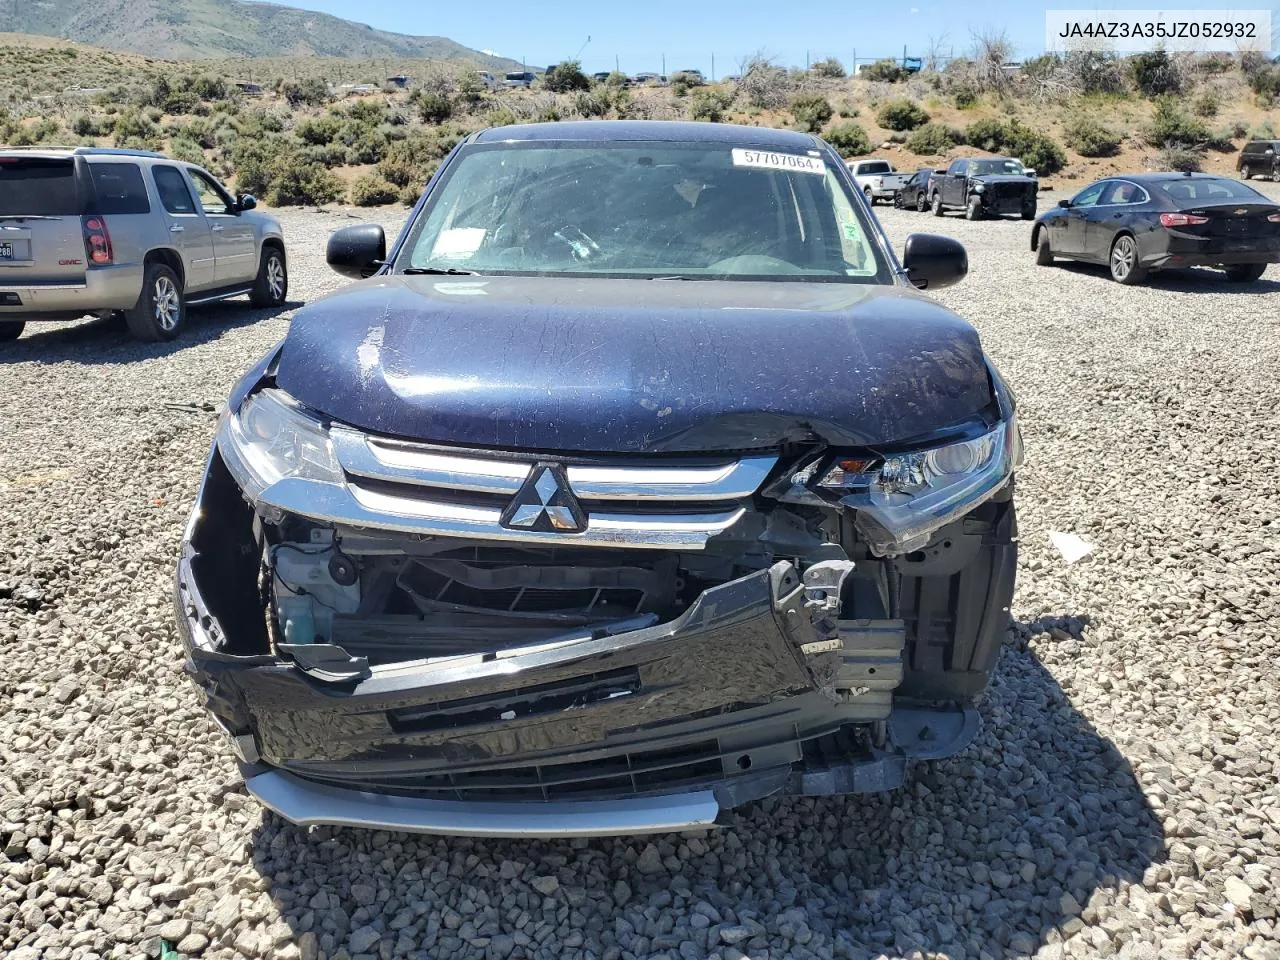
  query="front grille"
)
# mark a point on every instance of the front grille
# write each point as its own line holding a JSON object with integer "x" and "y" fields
{"x": 689, "y": 766}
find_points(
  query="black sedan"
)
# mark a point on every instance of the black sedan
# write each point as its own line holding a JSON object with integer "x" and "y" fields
{"x": 914, "y": 195}
{"x": 1136, "y": 224}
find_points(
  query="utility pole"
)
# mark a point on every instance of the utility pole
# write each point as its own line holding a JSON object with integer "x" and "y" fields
{"x": 854, "y": 70}
{"x": 904, "y": 54}
{"x": 713, "y": 68}
{"x": 664, "y": 64}
{"x": 616, "y": 68}
{"x": 806, "y": 61}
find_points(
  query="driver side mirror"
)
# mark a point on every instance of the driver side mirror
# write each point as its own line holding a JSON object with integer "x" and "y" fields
{"x": 934, "y": 261}
{"x": 246, "y": 201}
{"x": 358, "y": 251}
{"x": 1064, "y": 203}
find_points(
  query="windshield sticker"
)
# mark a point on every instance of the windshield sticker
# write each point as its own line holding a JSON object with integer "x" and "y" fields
{"x": 766, "y": 160}
{"x": 458, "y": 243}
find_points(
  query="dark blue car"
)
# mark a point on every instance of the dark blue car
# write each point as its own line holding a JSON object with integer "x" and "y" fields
{"x": 636, "y": 482}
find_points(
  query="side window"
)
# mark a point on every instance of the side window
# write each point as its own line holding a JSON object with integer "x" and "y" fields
{"x": 1090, "y": 194}
{"x": 175, "y": 196}
{"x": 956, "y": 169}
{"x": 213, "y": 199}
{"x": 1122, "y": 192}
{"x": 119, "y": 188}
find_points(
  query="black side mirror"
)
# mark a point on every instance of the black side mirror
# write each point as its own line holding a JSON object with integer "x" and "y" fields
{"x": 1064, "y": 204}
{"x": 246, "y": 201}
{"x": 358, "y": 251}
{"x": 933, "y": 261}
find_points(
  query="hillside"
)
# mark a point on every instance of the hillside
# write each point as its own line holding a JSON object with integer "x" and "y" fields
{"x": 187, "y": 29}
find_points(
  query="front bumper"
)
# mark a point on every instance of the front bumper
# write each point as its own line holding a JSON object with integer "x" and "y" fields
{"x": 747, "y": 694}
{"x": 116, "y": 287}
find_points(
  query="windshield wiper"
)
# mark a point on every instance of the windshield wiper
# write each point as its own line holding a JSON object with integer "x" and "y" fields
{"x": 442, "y": 271}
{"x": 685, "y": 277}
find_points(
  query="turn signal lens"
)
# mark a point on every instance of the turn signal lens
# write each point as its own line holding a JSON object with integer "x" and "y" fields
{"x": 1274, "y": 217}
{"x": 1182, "y": 219}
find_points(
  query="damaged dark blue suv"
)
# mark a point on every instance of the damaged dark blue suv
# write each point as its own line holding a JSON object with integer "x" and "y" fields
{"x": 635, "y": 483}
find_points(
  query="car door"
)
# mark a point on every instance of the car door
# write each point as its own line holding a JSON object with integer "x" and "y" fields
{"x": 235, "y": 248}
{"x": 953, "y": 185}
{"x": 188, "y": 229}
{"x": 1076, "y": 218}
{"x": 1114, "y": 209}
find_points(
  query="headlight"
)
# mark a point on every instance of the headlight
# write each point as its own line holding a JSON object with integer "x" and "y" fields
{"x": 978, "y": 187}
{"x": 270, "y": 438}
{"x": 904, "y": 498}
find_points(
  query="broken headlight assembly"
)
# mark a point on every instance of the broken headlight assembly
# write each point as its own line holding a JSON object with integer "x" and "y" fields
{"x": 902, "y": 498}
{"x": 271, "y": 438}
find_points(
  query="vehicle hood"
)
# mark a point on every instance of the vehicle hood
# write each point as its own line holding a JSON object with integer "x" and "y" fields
{"x": 1003, "y": 178}
{"x": 605, "y": 365}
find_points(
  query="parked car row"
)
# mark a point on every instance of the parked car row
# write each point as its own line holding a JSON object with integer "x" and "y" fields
{"x": 1133, "y": 224}
{"x": 90, "y": 230}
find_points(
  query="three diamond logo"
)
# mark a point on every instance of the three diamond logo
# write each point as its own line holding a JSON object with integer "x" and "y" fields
{"x": 545, "y": 504}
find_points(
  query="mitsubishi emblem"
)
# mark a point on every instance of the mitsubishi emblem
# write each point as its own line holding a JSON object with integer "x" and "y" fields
{"x": 544, "y": 503}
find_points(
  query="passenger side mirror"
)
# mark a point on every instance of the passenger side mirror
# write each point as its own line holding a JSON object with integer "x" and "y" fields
{"x": 358, "y": 251}
{"x": 1064, "y": 203}
{"x": 934, "y": 261}
{"x": 246, "y": 201}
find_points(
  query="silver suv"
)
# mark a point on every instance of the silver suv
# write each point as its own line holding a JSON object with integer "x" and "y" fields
{"x": 91, "y": 230}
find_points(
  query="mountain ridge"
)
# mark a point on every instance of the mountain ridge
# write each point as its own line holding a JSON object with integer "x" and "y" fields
{"x": 210, "y": 29}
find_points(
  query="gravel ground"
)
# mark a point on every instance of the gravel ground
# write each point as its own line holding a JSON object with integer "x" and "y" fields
{"x": 1121, "y": 799}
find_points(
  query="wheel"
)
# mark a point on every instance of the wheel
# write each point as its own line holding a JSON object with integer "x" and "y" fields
{"x": 271, "y": 285}
{"x": 871, "y": 197}
{"x": 973, "y": 210}
{"x": 1029, "y": 213}
{"x": 1245, "y": 272}
{"x": 11, "y": 329}
{"x": 1044, "y": 252}
{"x": 1123, "y": 261}
{"x": 921, "y": 204}
{"x": 160, "y": 312}
{"x": 1245, "y": 172}
{"x": 937, "y": 204}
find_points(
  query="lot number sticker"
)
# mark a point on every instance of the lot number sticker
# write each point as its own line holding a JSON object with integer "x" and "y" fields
{"x": 765, "y": 160}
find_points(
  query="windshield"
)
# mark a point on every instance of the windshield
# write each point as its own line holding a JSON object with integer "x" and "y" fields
{"x": 642, "y": 209}
{"x": 978, "y": 168}
{"x": 1209, "y": 189}
{"x": 874, "y": 168}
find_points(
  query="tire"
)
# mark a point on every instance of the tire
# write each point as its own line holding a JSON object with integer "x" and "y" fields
{"x": 271, "y": 286}
{"x": 1245, "y": 272}
{"x": 161, "y": 310}
{"x": 1123, "y": 261}
{"x": 1044, "y": 252}
{"x": 937, "y": 205}
{"x": 973, "y": 209}
{"x": 1245, "y": 172}
{"x": 1028, "y": 213}
{"x": 871, "y": 197}
{"x": 921, "y": 204}
{"x": 11, "y": 330}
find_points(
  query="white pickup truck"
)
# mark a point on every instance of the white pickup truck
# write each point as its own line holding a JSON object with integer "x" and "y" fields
{"x": 877, "y": 179}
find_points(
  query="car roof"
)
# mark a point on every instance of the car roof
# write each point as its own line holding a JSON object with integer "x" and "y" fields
{"x": 672, "y": 131}
{"x": 1165, "y": 177}
{"x": 82, "y": 151}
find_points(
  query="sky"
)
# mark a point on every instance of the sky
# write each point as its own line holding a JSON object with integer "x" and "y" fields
{"x": 638, "y": 36}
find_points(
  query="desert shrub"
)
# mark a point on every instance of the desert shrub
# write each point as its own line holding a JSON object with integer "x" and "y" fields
{"x": 987, "y": 134}
{"x": 548, "y": 114}
{"x": 370, "y": 190}
{"x": 188, "y": 151}
{"x": 296, "y": 180}
{"x": 590, "y": 104}
{"x": 208, "y": 87}
{"x": 616, "y": 79}
{"x": 709, "y": 103}
{"x": 1262, "y": 76}
{"x": 885, "y": 71}
{"x": 811, "y": 111}
{"x": 1089, "y": 137}
{"x": 901, "y": 115}
{"x": 1181, "y": 159}
{"x": 410, "y": 162}
{"x": 1092, "y": 71}
{"x": 84, "y": 125}
{"x": 471, "y": 90}
{"x": 1036, "y": 150}
{"x": 1171, "y": 125}
{"x": 312, "y": 92}
{"x": 1263, "y": 131}
{"x": 131, "y": 127}
{"x": 1154, "y": 73}
{"x": 965, "y": 97}
{"x": 1215, "y": 63}
{"x": 433, "y": 107}
{"x": 763, "y": 84}
{"x": 828, "y": 67}
{"x": 565, "y": 78}
{"x": 409, "y": 195}
{"x": 934, "y": 138}
{"x": 683, "y": 82}
{"x": 502, "y": 117}
{"x": 1206, "y": 104}
{"x": 318, "y": 130}
{"x": 849, "y": 140}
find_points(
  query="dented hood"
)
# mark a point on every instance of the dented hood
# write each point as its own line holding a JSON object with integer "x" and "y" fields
{"x": 605, "y": 365}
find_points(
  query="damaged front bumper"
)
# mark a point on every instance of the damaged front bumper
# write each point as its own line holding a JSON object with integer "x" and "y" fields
{"x": 758, "y": 689}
